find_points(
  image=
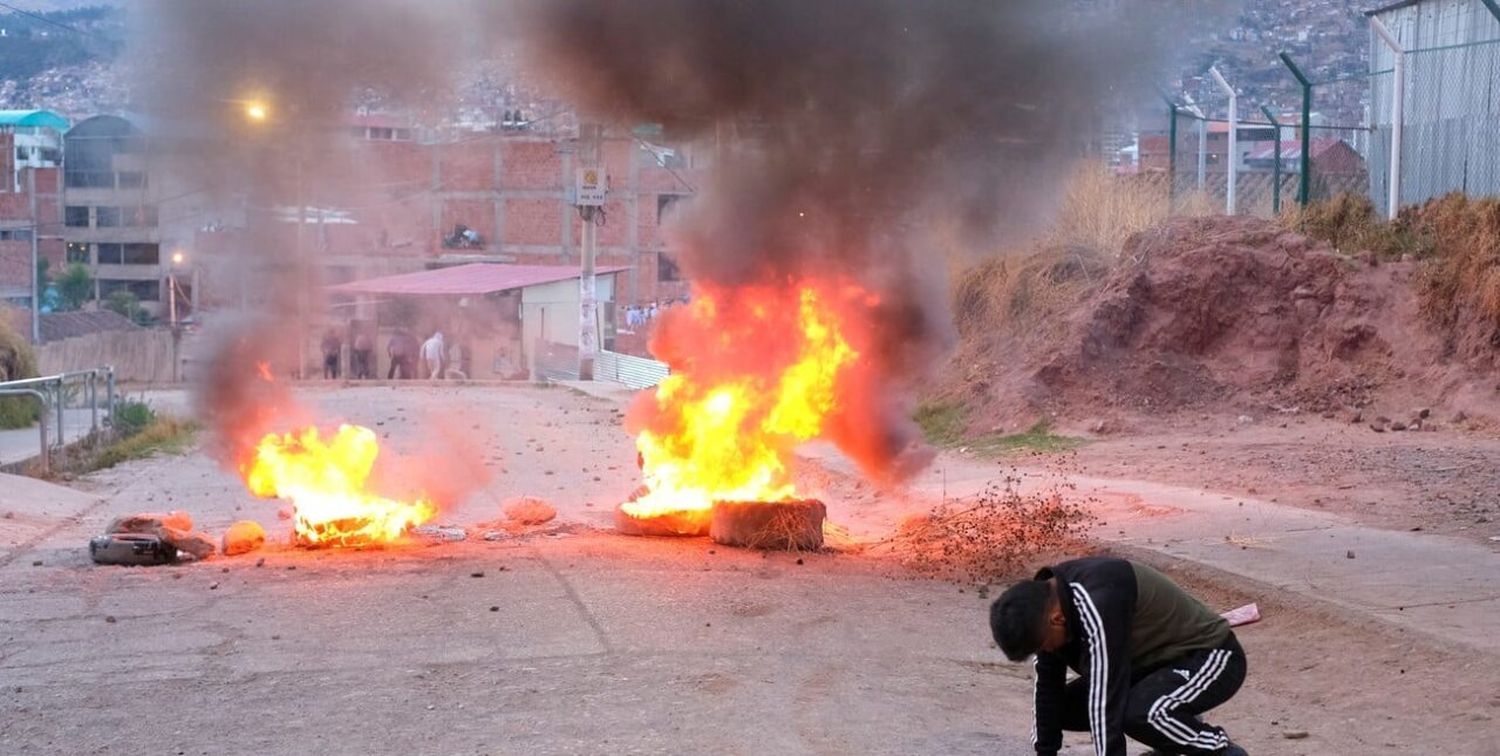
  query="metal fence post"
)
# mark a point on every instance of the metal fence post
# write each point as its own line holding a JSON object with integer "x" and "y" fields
{"x": 57, "y": 391}
{"x": 1232, "y": 157}
{"x": 1275, "y": 162}
{"x": 1304, "y": 184}
{"x": 1398, "y": 114}
{"x": 1493, "y": 7}
{"x": 41, "y": 398}
{"x": 1172, "y": 155}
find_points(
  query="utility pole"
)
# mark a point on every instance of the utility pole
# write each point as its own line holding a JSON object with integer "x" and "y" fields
{"x": 591, "y": 187}
{"x": 36, "y": 283}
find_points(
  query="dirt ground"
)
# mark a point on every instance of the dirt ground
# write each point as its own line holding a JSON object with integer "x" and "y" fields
{"x": 575, "y": 640}
{"x": 1446, "y": 481}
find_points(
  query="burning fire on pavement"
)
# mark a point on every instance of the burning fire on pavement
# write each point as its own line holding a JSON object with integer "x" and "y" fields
{"x": 756, "y": 371}
{"x": 326, "y": 476}
{"x": 326, "y": 480}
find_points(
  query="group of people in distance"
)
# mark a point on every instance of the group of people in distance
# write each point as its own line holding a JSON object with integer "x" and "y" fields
{"x": 408, "y": 359}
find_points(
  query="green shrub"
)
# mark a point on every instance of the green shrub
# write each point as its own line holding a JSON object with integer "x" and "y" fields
{"x": 132, "y": 417}
{"x": 17, "y": 361}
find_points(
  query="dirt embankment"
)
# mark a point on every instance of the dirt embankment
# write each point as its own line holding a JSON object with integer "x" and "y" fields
{"x": 1235, "y": 315}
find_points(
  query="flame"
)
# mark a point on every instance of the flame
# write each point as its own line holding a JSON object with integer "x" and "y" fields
{"x": 325, "y": 479}
{"x": 756, "y": 371}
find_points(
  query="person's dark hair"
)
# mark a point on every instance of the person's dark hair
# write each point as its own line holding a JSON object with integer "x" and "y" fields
{"x": 1018, "y": 617}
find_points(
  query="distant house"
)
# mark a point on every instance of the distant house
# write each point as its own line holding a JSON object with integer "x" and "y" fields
{"x": 1330, "y": 156}
{"x": 33, "y": 139}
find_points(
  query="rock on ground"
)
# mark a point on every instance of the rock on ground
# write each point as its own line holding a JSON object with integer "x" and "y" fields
{"x": 151, "y": 522}
{"x": 243, "y": 537}
{"x": 528, "y": 510}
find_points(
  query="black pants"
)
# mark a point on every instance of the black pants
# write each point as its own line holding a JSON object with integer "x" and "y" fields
{"x": 363, "y": 366}
{"x": 1164, "y": 704}
{"x": 331, "y": 366}
{"x": 400, "y": 367}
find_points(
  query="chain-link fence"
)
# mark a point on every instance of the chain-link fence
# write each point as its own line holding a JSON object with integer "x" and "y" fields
{"x": 1450, "y": 122}
{"x": 1323, "y": 135}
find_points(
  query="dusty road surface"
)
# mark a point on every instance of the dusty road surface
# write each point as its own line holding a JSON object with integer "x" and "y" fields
{"x": 574, "y": 640}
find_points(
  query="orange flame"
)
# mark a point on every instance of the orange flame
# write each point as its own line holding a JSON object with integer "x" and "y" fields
{"x": 325, "y": 479}
{"x": 756, "y": 371}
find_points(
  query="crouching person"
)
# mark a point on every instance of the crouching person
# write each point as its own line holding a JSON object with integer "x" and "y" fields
{"x": 1150, "y": 657}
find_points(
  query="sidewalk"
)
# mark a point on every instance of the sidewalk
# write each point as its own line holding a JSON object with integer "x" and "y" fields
{"x": 1438, "y": 585}
{"x": 24, "y": 443}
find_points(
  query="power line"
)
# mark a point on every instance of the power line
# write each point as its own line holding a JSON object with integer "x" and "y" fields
{"x": 49, "y": 21}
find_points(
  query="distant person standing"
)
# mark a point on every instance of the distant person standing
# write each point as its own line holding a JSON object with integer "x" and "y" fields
{"x": 333, "y": 348}
{"x": 402, "y": 351}
{"x": 363, "y": 356}
{"x": 433, "y": 353}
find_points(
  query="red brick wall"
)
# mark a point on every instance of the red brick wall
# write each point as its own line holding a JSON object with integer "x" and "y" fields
{"x": 533, "y": 221}
{"x": 467, "y": 166}
{"x": 532, "y": 165}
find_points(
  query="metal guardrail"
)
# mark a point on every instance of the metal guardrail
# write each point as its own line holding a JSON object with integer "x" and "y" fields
{"x": 635, "y": 372}
{"x": 52, "y": 393}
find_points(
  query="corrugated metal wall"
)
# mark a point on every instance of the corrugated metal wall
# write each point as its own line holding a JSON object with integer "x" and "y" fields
{"x": 1451, "y": 122}
{"x": 635, "y": 372}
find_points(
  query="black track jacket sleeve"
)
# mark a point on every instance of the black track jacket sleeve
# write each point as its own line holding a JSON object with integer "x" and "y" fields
{"x": 1104, "y": 601}
{"x": 1051, "y": 678}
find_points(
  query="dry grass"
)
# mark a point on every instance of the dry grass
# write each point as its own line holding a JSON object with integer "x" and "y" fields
{"x": 1101, "y": 210}
{"x": 1462, "y": 280}
{"x": 1351, "y": 224}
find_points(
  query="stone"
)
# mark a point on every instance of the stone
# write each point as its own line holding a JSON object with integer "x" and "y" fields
{"x": 1294, "y": 734}
{"x": 440, "y": 533}
{"x": 1377, "y": 427}
{"x": 243, "y": 537}
{"x": 1398, "y": 426}
{"x": 191, "y": 542}
{"x": 528, "y": 510}
{"x": 151, "y": 522}
{"x": 788, "y": 525}
{"x": 1424, "y": 413}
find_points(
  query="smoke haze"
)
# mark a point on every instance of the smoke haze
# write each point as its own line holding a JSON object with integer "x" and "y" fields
{"x": 847, "y": 134}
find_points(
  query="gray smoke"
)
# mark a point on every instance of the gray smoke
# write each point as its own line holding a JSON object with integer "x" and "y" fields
{"x": 846, "y": 134}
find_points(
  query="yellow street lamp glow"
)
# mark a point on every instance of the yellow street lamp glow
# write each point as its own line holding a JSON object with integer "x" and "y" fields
{"x": 256, "y": 111}
{"x": 177, "y": 258}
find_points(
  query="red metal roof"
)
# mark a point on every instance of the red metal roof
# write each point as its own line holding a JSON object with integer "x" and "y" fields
{"x": 467, "y": 280}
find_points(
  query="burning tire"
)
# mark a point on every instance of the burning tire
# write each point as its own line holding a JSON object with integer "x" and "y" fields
{"x": 686, "y": 523}
{"x": 788, "y": 525}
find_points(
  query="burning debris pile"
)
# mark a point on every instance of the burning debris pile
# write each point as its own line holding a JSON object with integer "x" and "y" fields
{"x": 759, "y": 370}
{"x": 326, "y": 480}
{"x": 280, "y": 451}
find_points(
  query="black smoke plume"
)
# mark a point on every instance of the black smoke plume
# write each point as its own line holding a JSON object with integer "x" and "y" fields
{"x": 845, "y": 134}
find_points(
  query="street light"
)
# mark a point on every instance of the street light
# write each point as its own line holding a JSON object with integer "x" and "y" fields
{"x": 256, "y": 110}
{"x": 177, "y": 258}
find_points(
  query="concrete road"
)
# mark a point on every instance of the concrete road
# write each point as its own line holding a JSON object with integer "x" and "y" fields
{"x": 593, "y": 643}
{"x": 580, "y": 644}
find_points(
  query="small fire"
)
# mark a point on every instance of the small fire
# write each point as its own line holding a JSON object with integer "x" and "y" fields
{"x": 756, "y": 371}
{"x": 326, "y": 481}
